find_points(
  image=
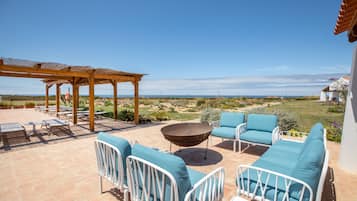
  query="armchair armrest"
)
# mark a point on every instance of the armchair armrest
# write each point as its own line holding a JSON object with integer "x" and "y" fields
{"x": 260, "y": 188}
{"x": 241, "y": 128}
{"x": 275, "y": 135}
{"x": 210, "y": 187}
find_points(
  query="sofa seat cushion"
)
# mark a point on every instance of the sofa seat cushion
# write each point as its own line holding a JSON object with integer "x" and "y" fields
{"x": 294, "y": 190}
{"x": 288, "y": 147}
{"x": 260, "y": 137}
{"x": 121, "y": 144}
{"x": 262, "y": 122}
{"x": 231, "y": 119}
{"x": 279, "y": 158}
{"x": 171, "y": 163}
{"x": 224, "y": 132}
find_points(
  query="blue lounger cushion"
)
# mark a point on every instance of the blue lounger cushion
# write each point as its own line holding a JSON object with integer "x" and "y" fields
{"x": 255, "y": 136}
{"x": 262, "y": 122}
{"x": 171, "y": 163}
{"x": 224, "y": 132}
{"x": 231, "y": 119}
{"x": 120, "y": 143}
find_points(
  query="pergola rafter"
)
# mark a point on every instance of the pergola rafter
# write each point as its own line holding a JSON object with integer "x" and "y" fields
{"x": 58, "y": 74}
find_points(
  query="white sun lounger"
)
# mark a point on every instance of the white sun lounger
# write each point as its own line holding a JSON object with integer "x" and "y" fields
{"x": 54, "y": 123}
{"x": 12, "y": 129}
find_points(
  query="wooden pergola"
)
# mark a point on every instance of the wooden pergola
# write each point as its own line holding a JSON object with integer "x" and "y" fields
{"x": 59, "y": 74}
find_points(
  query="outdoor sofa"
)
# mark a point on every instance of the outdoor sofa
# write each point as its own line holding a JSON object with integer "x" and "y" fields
{"x": 289, "y": 170}
{"x": 229, "y": 125}
{"x": 152, "y": 174}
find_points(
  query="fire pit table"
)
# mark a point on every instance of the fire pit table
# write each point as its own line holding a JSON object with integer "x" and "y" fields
{"x": 187, "y": 134}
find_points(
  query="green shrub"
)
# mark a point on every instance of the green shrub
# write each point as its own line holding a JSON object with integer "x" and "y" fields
{"x": 126, "y": 115}
{"x": 108, "y": 103}
{"x": 209, "y": 115}
{"x": 200, "y": 102}
{"x": 336, "y": 109}
{"x": 334, "y": 132}
{"x": 29, "y": 104}
{"x": 160, "y": 116}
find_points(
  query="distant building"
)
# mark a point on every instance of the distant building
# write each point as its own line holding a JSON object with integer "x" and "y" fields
{"x": 333, "y": 92}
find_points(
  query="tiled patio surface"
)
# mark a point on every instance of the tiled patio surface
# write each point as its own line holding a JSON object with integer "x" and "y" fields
{"x": 67, "y": 170}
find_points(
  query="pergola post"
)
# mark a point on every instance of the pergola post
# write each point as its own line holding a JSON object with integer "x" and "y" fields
{"x": 74, "y": 100}
{"x": 136, "y": 102}
{"x": 115, "y": 99}
{"x": 46, "y": 97}
{"x": 58, "y": 95}
{"x": 91, "y": 102}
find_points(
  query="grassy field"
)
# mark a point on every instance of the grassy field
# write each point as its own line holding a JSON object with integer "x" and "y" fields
{"x": 307, "y": 112}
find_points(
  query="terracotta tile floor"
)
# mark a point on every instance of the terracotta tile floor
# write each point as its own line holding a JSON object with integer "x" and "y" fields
{"x": 67, "y": 170}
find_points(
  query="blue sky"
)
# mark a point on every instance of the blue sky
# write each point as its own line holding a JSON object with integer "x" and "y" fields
{"x": 181, "y": 43}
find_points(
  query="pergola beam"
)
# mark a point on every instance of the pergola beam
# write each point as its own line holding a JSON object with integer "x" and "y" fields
{"x": 136, "y": 102}
{"x": 58, "y": 95}
{"x": 29, "y": 75}
{"x": 91, "y": 103}
{"x": 115, "y": 99}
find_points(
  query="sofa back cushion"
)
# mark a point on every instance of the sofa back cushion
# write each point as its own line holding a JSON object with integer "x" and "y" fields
{"x": 262, "y": 122}
{"x": 171, "y": 163}
{"x": 310, "y": 163}
{"x": 231, "y": 119}
{"x": 120, "y": 143}
{"x": 316, "y": 133}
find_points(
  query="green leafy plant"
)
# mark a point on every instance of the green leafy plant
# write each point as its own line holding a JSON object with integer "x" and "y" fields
{"x": 126, "y": 115}
{"x": 209, "y": 115}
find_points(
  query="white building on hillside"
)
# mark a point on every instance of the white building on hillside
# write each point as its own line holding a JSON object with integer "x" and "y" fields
{"x": 333, "y": 92}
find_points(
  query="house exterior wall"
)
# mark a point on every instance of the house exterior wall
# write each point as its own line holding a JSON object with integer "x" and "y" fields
{"x": 348, "y": 159}
{"x": 323, "y": 96}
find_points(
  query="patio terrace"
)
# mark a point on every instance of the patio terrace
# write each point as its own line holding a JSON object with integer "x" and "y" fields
{"x": 66, "y": 170}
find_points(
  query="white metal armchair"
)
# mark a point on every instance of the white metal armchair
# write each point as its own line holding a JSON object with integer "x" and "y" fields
{"x": 260, "y": 129}
{"x": 111, "y": 152}
{"x": 173, "y": 181}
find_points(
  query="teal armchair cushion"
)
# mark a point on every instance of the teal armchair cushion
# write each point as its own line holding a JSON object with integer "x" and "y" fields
{"x": 224, "y": 132}
{"x": 260, "y": 137}
{"x": 262, "y": 122}
{"x": 195, "y": 175}
{"x": 231, "y": 119}
{"x": 171, "y": 163}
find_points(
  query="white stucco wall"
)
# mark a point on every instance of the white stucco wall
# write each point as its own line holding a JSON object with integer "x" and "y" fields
{"x": 348, "y": 158}
{"x": 323, "y": 96}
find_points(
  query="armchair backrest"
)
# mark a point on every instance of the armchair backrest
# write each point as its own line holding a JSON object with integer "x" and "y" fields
{"x": 262, "y": 122}
{"x": 175, "y": 172}
{"x": 231, "y": 119}
{"x": 148, "y": 181}
{"x": 111, "y": 153}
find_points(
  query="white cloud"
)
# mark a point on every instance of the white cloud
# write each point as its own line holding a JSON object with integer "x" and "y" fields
{"x": 257, "y": 85}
